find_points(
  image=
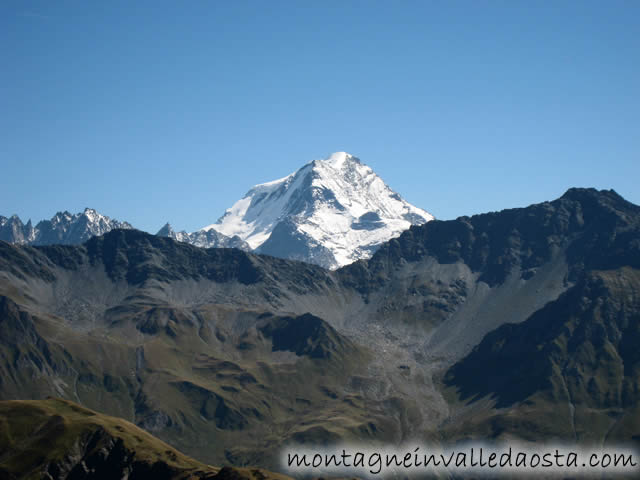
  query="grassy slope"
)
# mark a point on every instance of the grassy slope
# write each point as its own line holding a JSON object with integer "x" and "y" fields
{"x": 206, "y": 397}
{"x": 34, "y": 433}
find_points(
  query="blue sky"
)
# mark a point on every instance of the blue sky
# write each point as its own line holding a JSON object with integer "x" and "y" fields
{"x": 170, "y": 111}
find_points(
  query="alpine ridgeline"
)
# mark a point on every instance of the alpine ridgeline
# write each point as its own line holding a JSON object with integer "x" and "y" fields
{"x": 74, "y": 229}
{"x": 64, "y": 228}
{"x": 331, "y": 212}
{"x": 204, "y": 238}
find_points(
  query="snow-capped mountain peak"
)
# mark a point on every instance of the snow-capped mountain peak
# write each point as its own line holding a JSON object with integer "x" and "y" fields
{"x": 338, "y": 159}
{"x": 330, "y": 212}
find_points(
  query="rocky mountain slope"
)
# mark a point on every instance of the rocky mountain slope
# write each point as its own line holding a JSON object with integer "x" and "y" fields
{"x": 228, "y": 355}
{"x": 73, "y": 229}
{"x": 64, "y": 228}
{"x": 572, "y": 368}
{"x": 204, "y": 238}
{"x": 330, "y": 212}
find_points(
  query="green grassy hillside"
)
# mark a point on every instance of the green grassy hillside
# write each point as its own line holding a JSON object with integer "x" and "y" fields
{"x": 57, "y": 438}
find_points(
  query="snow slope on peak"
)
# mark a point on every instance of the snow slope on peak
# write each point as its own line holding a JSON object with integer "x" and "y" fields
{"x": 253, "y": 217}
{"x": 337, "y": 207}
{"x": 338, "y": 159}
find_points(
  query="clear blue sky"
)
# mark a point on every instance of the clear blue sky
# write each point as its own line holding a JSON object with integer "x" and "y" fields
{"x": 170, "y": 111}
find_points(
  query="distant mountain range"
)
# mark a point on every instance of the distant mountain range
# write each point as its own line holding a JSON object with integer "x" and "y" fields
{"x": 515, "y": 325}
{"x": 331, "y": 213}
{"x": 64, "y": 228}
{"x": 204, "y": 238}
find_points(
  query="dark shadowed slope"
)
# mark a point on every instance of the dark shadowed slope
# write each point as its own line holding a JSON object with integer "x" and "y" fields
{"x": 572, "y": 369}
{"x": 594, "y": 229}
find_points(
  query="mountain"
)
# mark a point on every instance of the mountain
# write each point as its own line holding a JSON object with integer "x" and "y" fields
{"x": 73, "y": 229}
{"x": 197, "y": 346}
{"x": 519, "y": 324}
{"x": 573, "y": 365}
{"x": 64, "y": 228}
{"x": 331, "y": 212}
{"x": 530, "y": 315}
{"x": 14, "y": 231}
{"x": 204, "y": 238}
